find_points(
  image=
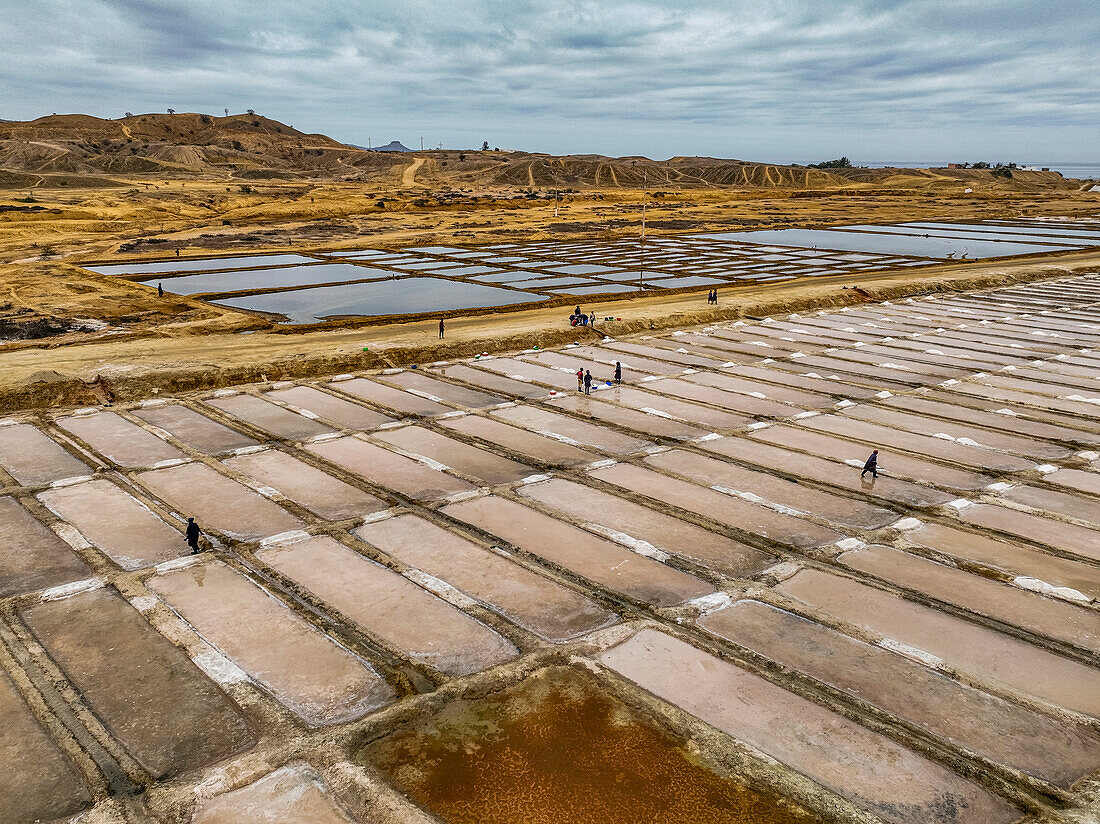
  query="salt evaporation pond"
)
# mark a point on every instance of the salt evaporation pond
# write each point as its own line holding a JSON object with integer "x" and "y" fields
{"x": 200, "y": 265}
{"x": 270, "y": 278}
{"x": 961, "y": 232}
{"x": 1012, "y": 229}
{"x": 935, "y": 247}
{"x": 390, "y": 297}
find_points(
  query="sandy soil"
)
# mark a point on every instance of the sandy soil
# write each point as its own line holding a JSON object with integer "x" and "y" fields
{"x": 121, "y": 340}
{"x": 174, "y": 358}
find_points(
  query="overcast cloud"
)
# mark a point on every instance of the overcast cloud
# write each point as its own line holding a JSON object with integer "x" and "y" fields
{"x": 780, "y": 81}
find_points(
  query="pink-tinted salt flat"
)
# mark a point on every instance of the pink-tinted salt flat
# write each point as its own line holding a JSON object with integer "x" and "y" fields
{"x": 872, "y": 771}
{"x": 597, "y": 559}
{"x": 116, "y": 522}
{"x": 391, "y": 607}
{"x": 548, "y": 609}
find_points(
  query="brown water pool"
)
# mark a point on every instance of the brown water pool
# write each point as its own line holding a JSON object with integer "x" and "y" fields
{"x": 555, "y": 749}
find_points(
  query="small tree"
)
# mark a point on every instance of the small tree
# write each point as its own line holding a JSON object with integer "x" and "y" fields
{"x": 129, "y": 114}
{"x": 839, "y": 163}
{"x": 251, "y": 111}
{"x": 485, "y": 146}
{"x": 226, "y": 112}
{"x": 171, "y": 111}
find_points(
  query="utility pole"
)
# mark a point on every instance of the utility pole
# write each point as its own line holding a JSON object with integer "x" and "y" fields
{"x": 368, "y": 143}
{"x": 421, "y": 143}
{"x": 645, "y": 195}
{"x": 555, "y": 203}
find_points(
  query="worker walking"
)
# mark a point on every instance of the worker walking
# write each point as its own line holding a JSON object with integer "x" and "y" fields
{"x": 587, "y": 382}
{"x": 441, "y": 327}
{"x": 192, "y": 535}
{"x": 871, "y": 465}
{"x": 618, "y": 372}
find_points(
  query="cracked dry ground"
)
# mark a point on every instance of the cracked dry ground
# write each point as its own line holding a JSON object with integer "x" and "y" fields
{"x": 467, "y": 593}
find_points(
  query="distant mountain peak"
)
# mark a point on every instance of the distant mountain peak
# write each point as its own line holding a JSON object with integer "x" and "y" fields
{"x": 392, "y": 146}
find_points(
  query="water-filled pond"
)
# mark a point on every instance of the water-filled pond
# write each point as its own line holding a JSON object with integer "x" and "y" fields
{"x": 201, "y": 265}
{"x": 886, "y": 243}
{"x": 980, "y": 233}
{"x": 386, "y": 297}
{"x": 557, "y": 749}
{"x": 1013, "y": 229}
{"x": 597, "y": 290}
{"x": 268, "y": 278}
{"x": 680, "y": 283}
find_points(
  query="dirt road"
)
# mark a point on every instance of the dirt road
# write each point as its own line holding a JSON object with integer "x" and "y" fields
{"x": 139, "y": 366}
{"x": 408, "y": 177}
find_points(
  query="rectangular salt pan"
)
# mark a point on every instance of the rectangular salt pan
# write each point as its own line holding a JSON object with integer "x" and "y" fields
{"x": 535, "y": 603}
{"x": 409, "y": 618}
{"x": 240, "y": 281}
{"x": 411, "y": 295}
{"x": 221, "y": 503}
{"x": 116, "y": 523}
{"x": 889, "y": 244}
{"x": 597, "y": 559}
{"x": 147, "y": 692}
{"x": 330, "y": 407}
{"x": 317, "y": 491}
{"x": 865, "y": 767}
{"x": 32, "y": 458}
{"x": 32, "y": 556}
{"x": 194, "y": 429}
{"x": 280, "y": 422}
{"x": 119, "y": 440}
{"x": 1053, "y": 751}
{"x": 319, "y": 681}
{"x": 37, "y": 781}
{"x": 202, "y": 265}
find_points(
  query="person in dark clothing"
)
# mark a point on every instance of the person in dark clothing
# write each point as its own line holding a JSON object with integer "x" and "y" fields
{"x": 192, "y": 535}
{"x": 871, "y": 465}
{"x": 441, "y": 327}
{"x": 587, "y": 382}
{"x": 160, "y": 290}
{"x": 715, "y": 297}
{"x": 618, "y": 372}
{"x": 577, "y": 311}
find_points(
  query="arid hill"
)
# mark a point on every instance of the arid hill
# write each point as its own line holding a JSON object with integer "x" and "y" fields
{"x": 80, "y": 150}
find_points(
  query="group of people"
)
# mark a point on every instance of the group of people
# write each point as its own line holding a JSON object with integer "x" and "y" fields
{"x": 584, "y": 378}
{"x": 712, "y": 297}
{"x": 579, "y": 318}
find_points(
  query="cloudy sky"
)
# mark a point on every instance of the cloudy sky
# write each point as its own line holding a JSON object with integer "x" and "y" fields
{"x": 778, "y": 80}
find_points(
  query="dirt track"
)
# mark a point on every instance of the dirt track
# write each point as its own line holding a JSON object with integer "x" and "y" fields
{"x": 50, "y": 376}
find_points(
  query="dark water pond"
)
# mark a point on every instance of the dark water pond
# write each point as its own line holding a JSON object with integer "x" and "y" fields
{"x": 268, "y": 278}
{"x": 886, "y": 243}
{"x": 201, "y": 265}
{"x": 385, "y": 297}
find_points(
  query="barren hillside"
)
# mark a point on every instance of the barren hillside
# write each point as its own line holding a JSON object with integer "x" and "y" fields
{"x": 80, "y": 150}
